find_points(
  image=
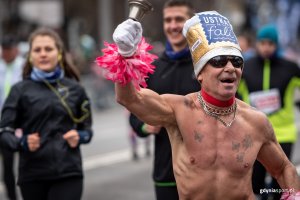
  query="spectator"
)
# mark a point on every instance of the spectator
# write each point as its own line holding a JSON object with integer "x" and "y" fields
{"x": 11, "y": 67}
{"x": 246, "y": 44}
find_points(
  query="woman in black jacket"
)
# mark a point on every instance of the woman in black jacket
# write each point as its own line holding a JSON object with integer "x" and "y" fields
{"x": 53, "y": 111}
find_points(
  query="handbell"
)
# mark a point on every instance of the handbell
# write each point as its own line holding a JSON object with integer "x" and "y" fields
{"x": 138, "y": 8}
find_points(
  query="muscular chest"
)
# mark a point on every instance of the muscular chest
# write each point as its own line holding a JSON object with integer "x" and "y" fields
{"x": 211, "y": 145}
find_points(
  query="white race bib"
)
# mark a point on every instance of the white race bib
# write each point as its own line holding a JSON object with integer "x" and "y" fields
{"x": 266, "y": 101}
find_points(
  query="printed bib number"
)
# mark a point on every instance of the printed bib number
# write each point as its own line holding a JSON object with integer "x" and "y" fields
{"x": 266, "y": 101}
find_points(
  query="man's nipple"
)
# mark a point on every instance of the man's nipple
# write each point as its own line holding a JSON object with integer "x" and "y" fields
{"x": 192, "y": 160}
{"x": 246, "y": 165}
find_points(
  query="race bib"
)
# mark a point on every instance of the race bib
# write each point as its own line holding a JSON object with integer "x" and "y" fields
{"x": 266, "y": 101}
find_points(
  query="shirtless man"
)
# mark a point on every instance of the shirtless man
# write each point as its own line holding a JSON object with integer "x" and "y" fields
{"x": 215, "y": 138}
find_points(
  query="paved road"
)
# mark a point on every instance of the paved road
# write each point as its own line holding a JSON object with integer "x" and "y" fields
{"x": 111, "y": 174}
{"x": 129, "y": 180}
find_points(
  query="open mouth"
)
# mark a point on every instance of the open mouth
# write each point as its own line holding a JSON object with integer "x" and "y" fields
{"x": 227, "y": 80}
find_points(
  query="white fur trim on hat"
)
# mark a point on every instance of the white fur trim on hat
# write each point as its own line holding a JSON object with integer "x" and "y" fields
{"x": 220, "y": 51}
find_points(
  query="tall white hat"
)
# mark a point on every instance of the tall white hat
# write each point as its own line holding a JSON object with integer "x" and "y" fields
{"x": 209, "y": 34}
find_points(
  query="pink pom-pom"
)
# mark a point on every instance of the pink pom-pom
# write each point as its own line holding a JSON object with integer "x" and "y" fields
{"x": 125, "y": 69}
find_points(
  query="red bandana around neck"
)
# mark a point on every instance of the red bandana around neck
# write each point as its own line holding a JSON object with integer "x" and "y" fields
{"x": 216, "y": 102}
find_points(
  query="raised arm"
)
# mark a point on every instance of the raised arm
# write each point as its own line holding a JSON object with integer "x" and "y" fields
{"x": 146, "y": 104}
{"x": 275, "y": 161}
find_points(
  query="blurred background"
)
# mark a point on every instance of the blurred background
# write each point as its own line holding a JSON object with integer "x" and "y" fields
{"x": 85, "y": 25}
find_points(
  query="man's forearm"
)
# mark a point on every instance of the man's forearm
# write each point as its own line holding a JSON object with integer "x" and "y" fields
{"x": 289, "y": 178}
{"x": 125, "y": 94}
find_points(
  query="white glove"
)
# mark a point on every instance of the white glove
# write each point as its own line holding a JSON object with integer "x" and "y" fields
{"x": 127, "y": 36}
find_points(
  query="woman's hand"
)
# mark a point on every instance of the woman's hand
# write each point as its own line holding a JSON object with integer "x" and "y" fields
{"x": 33, "y": 141}
{"x": 72, "y": 137}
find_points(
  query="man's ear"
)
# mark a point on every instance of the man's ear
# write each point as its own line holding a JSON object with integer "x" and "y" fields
{"x": 200, "y": 77}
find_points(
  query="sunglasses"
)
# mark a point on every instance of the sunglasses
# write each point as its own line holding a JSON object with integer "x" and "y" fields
{"x": 221, "y": 61}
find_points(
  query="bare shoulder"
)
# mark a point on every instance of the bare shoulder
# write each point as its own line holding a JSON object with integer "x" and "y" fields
{"x": 250, "y": 113}
{"x": 180, "y": 100}
{"x": 256, "y": 119}
{"x": 184, "y": 107}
